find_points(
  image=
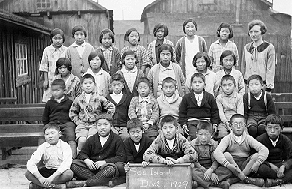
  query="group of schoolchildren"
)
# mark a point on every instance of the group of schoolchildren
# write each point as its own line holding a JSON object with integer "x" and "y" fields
{"x": 169, "y": 105}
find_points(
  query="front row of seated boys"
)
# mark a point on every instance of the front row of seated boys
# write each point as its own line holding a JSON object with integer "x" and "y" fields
{"x": 238, "y": 157}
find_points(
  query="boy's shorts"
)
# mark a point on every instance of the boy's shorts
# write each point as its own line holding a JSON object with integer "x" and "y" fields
{"x": 47, "y": 172}
{"x": 68, "y": 131}
{"x": 256, "y": 119}
{"x": 85, "y": 130}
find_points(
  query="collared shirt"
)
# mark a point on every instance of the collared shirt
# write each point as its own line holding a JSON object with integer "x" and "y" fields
{"x": 199, "y": 98}
{"x": 107, "y": 53}
{"x": 87, "y": 97}
{"x": 57, "y": 156}
{"x": 137, "y": 146}
{"x": 216, "y": 50}
{"x": 274, "y": 143}
{"x": 59, "y": 100}
{"x": 117, "y": 97}
{"x": 170, "y": 143}
{"x": 210, "y": 80}
{"x": 238, "y": 138}
{"x": 259, "y": 97}
{"x": 130, "y": 76}
{"x": 164, "y": 72}
{"x": 80, "y": 48}
{"x": 103, "y": 139}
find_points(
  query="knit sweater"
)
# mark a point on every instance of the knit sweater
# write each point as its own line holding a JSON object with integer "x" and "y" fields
{"x": 258, "y": 106}
{"x": 112, "y": 151}
{"x": 180, "y": 51}
{"x": 79, "y": 64}
{"x": 121, "y": 117}
{"x": 282, "y": 152}
{"x": 190, "y": 109}
{"x": 242, "y": 149}
{"x": 134, "y": 156}
{"x": 57, "y": 112}
{"x": 169, "y": 108}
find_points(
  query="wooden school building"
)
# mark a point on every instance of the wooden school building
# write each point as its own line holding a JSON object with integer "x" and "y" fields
{"x": 22, "y": 43}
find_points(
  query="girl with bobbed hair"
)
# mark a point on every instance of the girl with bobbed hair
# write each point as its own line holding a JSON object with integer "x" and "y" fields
{"x": 160, "y": 31}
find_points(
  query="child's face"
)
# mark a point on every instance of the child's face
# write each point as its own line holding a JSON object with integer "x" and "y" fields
{"x": 57, "y": 91}
{"x": 190, "y": 29}
{"x": 238, "y": 126}
{"x": 204, "y": 136}
{"x": 228, "y": 62}
{"x": 130, "y": 62}
{"x": 52, "y": 136}
{"x": 57, "y": 40}
{"x": 198, "y": 84}
{"x": 273, "y": 130}
{"x": 201, "y": 64}
{"x": 143, "y": 89}
{"x": 160, "y": 34}
{"x": 169, "y": 130}
{"x": 255, "y": 87}
{"x": 255, "y": 33}
{"x": 228, "y": 86}
{"x": 63, "y": 70}
{"x": 168, "y": 89}
{"x": 117, "y": 87}
{"x": 88, "y": 85}
{"x": 136, "y": 134}
{"x": 79, "y": 37}
{"x": 103, "y": 127}
{"x": 224, "y": 33}
{"x": 95, "y": 63}
{"x": 133, "y": 38}
{"x": 165, "y": 57}
{"x": 106, "y": 40}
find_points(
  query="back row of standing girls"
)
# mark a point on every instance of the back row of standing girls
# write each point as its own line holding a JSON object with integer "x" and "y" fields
{"x": 258, "y": 56}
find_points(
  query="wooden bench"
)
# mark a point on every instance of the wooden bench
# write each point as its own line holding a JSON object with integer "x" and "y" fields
{"x": 24, "y": 126}
{"x": 284, "y": 109}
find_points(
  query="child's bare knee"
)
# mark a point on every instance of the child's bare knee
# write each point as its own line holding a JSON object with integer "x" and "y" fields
{"x": 68, "y": 174}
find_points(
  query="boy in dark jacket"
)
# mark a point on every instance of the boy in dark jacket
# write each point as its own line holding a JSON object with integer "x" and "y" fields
{"x": 57, "y": 112}
{"x": 101, "y": 158}
{"x": 277, "y": 168}
{"x": 197, "y": 105}
{"x": 258, "y": 104}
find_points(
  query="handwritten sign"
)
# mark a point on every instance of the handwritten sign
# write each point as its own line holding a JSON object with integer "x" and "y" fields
{"x": 159, "y": 176}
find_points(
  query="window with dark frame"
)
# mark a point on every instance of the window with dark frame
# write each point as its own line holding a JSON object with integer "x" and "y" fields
{"x": 43, "y": 4}
{"x": 21, "y": 59}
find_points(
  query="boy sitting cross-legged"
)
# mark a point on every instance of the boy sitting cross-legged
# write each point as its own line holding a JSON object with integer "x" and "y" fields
{"x": 233, "y": 152}
{"x": 206, "y": 172}
{"x": 170, "y": 147}
{"x": 56, "y": 156}
{"x": 277, "y": 168}
{"x": 101, "y": 158}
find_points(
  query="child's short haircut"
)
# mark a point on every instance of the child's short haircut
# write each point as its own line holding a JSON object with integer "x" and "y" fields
{"x": 236, "y": 116}
{"x": 263, "y": 27}
{"x": 129, "y": 52}
{"x": 205, "y": 125}
{"x": 134, "y": 123}
{"x": 274, "y": 119}
{"x": 169, "y": 80}
{"x": 158, "y": 26}
{"x": 51, "y": 126}
{"x": 143, "y": 80}
{"x": 128, "y": 32}
{"x": 63, "y": 62}
{"x": 187, "y": 21}
{"x": 227, "y": 53}
{"x": 255, "y": 76}
{"x": 109, "y": 32}
{"x": 117, "y": 77}
{"x": 94, "y": 54}
{"x": 168, "y": 119}
{"x": 59, "y": 82}
{"x": 57, "y": 31}
{"x": 166, "y": 47}
{"x": 200, "y": 75}
{"x": 228, "y": 77}
{"x": 87, "y": 76}
{"x": 78, "y": 28}
{"x": 202, "y": 55}
{"x": 225, "y": 25}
